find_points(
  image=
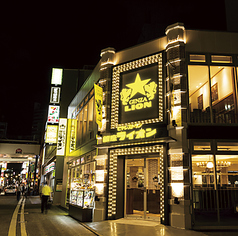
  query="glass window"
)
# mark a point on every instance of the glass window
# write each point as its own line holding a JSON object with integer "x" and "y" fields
{"x": 203, "y": 171}
{"x": 90, "y": 119}
{"x": 197, "y": 58}
{"x": 202, "y": 146}
{"x": 221, "y": 59}
{"x": 85, "y": 117}
{"x": 215, "y": 188}
{"x": 227, "y": 146}
{"x": 79, "y": 128}
{"x": 223, "y": 94}
{"x": 199, "y": 94}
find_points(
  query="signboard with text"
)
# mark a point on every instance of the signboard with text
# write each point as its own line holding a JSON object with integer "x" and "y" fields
{"x": 53, "y": 114}
{"x": 138, "y": 95}
{"x": 55, "y": 95}
{"x": 51, "y": 134}
{"x": 61, "y": 137}
{"x": 137, "y": 92}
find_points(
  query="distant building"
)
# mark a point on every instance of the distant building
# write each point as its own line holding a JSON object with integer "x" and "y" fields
{"x": 3, "y": 130}
{"x": 39, "y": 118}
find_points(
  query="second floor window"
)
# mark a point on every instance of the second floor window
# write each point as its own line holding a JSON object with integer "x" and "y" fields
{"x": 212, "y": 97}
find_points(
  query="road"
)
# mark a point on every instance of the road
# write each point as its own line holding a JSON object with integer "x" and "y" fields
{"x": 24, "y": 218}
{"x": 30, "y": 220}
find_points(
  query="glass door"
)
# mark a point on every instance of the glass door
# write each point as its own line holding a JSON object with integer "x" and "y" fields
{"x": 142, "y": 188}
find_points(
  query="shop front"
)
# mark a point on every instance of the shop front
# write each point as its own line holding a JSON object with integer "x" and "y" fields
{"x": 136, "y": 183}
{"x": 81, "y": 187}
{"x": 136, "y": 142}
{"x": 49, "y": 174}
{"x": 215, "y": 183}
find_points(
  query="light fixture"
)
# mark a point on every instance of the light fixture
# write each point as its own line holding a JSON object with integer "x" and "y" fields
{"x": 210, "y": 164}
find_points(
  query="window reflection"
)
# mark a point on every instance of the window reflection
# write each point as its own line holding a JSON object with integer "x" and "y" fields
{"x": 201, "y": 146}
{"x": 221, "y": 94}
{"x": 199, "y": 94}
{"x": 227, "y": 146}
{"x": 86, "y": 127}
{"x": 227, "y": 171}
{"x": 215, "y": 188}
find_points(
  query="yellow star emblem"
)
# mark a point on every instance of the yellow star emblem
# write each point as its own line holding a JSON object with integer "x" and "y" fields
{"x": 138, "y": 85}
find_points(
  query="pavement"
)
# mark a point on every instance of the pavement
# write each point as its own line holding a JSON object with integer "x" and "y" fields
{"x": 128, "y": 226}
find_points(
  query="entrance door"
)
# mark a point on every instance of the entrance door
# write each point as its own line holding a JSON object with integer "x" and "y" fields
{"x": 142, "y": 188}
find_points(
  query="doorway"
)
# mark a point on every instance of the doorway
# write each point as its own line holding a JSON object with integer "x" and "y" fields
{"x": 142, "y": 188}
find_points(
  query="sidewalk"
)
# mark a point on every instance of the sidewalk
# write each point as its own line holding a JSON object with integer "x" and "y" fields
{"x": 127, "y": 226}
{"x": 138, "y": 228}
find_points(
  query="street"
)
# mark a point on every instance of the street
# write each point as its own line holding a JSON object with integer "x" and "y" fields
{"x": 25, "y": 218}
{"x": 55, "y": 222}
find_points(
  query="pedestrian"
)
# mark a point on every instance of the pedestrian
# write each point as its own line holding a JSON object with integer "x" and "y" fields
{"x": 22, "y": 190}
{"x": 46, "y": 194}
{"x": 26, "y": 191}
{"x": 40, "y": 189}
{"x": 18, "y": 192}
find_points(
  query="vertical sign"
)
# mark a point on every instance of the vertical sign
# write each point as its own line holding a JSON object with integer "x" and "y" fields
{"x": 61, "y": 137}
{"x": 53, "y": 114}
{"x": 51, "y": 134}
{"x": 55, "y": 95}
{"x": 73, "y": 135}
{"x": 56, "y": 76}
{"x": 98, "y": 104}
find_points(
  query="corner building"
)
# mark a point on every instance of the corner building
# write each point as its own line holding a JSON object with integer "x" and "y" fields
{"x": 167, "y": 149}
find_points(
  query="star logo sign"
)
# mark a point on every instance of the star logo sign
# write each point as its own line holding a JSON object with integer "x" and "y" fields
{"x": 138, "y": 86}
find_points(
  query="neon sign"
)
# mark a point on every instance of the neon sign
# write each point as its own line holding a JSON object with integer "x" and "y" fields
{"x": 143, "y": 87}
{"x": 131, "y": 135}
{"x": 138, "y": 96}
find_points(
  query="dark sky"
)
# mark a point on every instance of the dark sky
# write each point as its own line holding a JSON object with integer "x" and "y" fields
{"x": 34, "y": 38}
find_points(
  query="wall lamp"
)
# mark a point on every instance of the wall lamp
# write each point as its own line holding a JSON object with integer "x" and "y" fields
{"x": 176, "y": 201}
{"x": 174, "y": 123}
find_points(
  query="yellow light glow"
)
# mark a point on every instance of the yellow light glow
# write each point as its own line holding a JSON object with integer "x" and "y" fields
{"x": 177, "y": 189}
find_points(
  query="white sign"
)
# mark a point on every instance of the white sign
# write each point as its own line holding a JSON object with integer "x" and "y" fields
{"x": 61, "y": 137}
{"x": 49, "y": 168}
{"x": 56, "y": 76}
{"x": 51, "y": 134}
{"x": 55, "y": 95}
{"x": 176, "y": 173}
{"x": 53, "y": 114}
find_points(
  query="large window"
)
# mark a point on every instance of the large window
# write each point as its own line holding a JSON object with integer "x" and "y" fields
{"x": 212, "y": 94}
{"x": 86, "y": 126}
{"x": 215, "y": 184}
{"x": 199, "y": 94}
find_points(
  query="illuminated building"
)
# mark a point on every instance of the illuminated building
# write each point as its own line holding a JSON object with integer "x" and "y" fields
{"x": 167, "y": 147}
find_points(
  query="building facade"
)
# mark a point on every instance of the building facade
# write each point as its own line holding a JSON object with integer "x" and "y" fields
{"x": 165, "y": 148}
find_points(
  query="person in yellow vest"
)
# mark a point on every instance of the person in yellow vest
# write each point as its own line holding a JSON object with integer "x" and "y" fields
{"x": 45, "y": 195}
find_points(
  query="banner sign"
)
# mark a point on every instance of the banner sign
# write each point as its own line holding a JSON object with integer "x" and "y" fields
{"x": 130, "y": 135}
{"x": 61, "y": 137}
{"x": 98, "y": 104}
{"x": 73, "y": 135}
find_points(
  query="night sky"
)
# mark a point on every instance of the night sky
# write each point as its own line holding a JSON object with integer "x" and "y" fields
{"x": 34, "y": 38}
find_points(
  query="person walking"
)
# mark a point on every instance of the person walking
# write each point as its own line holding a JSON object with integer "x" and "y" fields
{"x": 45, "y": 195}
{"x": 18, "y": 192}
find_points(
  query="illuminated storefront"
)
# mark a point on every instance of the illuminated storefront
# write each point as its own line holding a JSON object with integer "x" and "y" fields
{"x": 152, "y": 133}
